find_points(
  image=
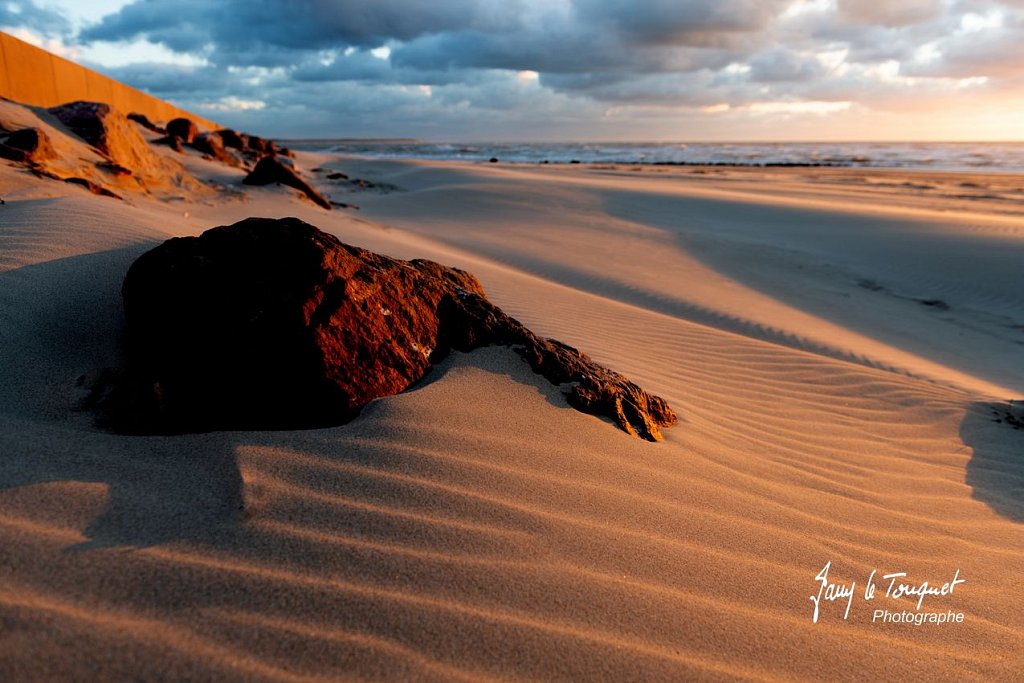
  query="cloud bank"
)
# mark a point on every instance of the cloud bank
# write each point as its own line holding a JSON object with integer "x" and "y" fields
{"x": 564, "y": 68}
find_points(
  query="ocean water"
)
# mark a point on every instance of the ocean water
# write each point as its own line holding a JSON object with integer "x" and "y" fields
{"x": 947, "y": 156}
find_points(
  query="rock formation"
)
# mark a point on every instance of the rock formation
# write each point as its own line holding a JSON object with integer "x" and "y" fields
{"x": 109, "y": 131}
{"x": 273, "y": 170}
{"x": 144, "y": 121}
{"x": 212, "y": 145}
{"x": 182, "y": 128}
{"x": 275, "y": 324}
{"x": 28, "y": 146}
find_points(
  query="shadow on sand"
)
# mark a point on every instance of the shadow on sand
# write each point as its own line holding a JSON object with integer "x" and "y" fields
{"x": 995, "y": 471}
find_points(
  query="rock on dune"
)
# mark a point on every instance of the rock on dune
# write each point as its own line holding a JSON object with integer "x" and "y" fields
{"x": 182, "y": 128}
{"x": 144, "y": 121}
{"x": 275, "y": 324}
{"x": 28, "y": 146}
{"x": 273, "y": 170}
{"x": 212, "y": 145}
{"x": 109, "y": 131}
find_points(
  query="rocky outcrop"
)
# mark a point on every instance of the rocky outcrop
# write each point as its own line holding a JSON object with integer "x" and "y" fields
{"x": 28, "y": 146}
{"x": 272, "y": 170}
{"x": 212, "y": 145}
{"x": 172, "y": 141}
{"x": 144, "y": 121}
{"x": 182, "y": 128}
{"x": 110, "y": 132}
{"x": 275, "y": 324}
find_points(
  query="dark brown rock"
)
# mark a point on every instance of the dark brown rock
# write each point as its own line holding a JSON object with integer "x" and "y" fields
{"x": 258, "y": 145}
{"x": 275, "y": 324}
{"x": 172, "y": 141}
{"x": 183, "y": 128}
{"x": 233, "y": 139}
{"x": 28, "y": 145}
{"x": 92, "y": 187}
{"x": 109, "y": 131}
{"x": 272, "y": 170}
{"x": 212, "y": 145}
{"x": 144, "y": 121}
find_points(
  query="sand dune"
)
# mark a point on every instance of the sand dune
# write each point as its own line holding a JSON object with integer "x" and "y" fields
{"x": 476, "y": 527}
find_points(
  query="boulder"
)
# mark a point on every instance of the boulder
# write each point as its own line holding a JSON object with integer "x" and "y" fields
{"x": 272, "y": 170}
{"x": 172, "y": 141}
{"x": 144, "y": 121}
{"x": 212, "y": 145}
{"x": 183, "y": 128}
{"x": 109, "y": 131}
{"x": 233, "y": 139}
{"x": 275, "y": 324}
{"x": 28, "y": 145}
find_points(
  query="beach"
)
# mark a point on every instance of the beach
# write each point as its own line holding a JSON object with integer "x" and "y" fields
{"x": 840, "y": 346}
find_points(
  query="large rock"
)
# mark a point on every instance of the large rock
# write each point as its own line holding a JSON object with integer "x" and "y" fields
{"x": 110, "y": 132}
{"x": 28, "y": 145}
{"x": 275, "y": 324}
{"x": 183, "y": 128}
{"x": 272, "y": 170}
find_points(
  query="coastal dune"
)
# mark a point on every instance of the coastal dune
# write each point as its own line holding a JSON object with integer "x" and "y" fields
{"x": 477, "y": 527}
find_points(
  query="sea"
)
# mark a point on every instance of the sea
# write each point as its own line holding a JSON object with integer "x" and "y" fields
{"x": 940, "y": 156}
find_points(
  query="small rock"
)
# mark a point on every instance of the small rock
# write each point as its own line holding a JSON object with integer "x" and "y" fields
{"x": 212, "y": 144}
{"x": 184, "y": 129}
{"x": 172, "y": 141}
{"x": 233, "y": 139}
{"x": 28, "y": 145}
{"x": 272, "y": 170}
{"x": 144, "y": 121}
{"x": 92, "y": 187}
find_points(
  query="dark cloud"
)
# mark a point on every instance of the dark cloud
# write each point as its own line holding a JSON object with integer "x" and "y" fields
{"x": 27, "y": 14}
{"x": 239, "y": 25}
{"x": 460, "y": 65}
{"x": 695, "y": 22}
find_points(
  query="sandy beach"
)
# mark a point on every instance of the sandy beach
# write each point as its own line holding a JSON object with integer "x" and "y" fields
{"x": 838, "y": 344}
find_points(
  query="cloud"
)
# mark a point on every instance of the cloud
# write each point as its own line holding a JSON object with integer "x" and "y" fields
{"x": 889, "y": 12}
{"x": 361, "y": 67}
{"x": 26, "y": 14}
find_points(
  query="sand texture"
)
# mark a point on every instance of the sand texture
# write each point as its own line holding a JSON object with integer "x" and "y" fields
{"x": 836, "y": 347}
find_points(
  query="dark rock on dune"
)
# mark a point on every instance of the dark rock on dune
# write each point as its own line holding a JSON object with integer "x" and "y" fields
{"x": 115, "y": 169}
{"x": 109, "y": 131}
{"x": 183, "y": 128}
{"x": 275, "y": 324}
{"x": 285, "y": 152}
{"x": 172, "y": 141}
{"x": 337, "y": 176}
{"x": 493, "y": 160}
{"x": 258, "y": 145}
{"x": 232, "y": 139}
{"x": 212, "y": 145}
{"x": 144, "y": 121}
{"x": 28, "y": 146}
{"x": 272, "y": 170}
{"x": 92, "y": 187}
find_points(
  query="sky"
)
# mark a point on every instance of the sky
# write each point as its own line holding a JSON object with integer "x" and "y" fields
{"x": 561, "y": 70}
